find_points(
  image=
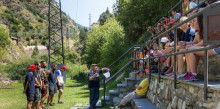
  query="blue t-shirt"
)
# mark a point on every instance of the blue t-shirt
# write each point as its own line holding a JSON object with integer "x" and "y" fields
{"x": 189, "y": 35}
{"x": 30, "y": 78}
{"x": 95, "y": 82}
{"x": 52, "y": 78}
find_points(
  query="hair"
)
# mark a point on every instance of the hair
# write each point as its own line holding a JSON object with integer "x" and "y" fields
{"x": 37, "y": 63}
{"x": 179, "y": 33}
{"x": 200, "y": 23}
{"x": 42, "y": 62}
{"x": 175, "y": 10}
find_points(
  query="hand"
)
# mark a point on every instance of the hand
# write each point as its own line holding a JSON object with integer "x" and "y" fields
{"x": 181, "y": 43}
{"x": 136, "y": 86}
{"x": 155, "y": 59}
{"x": 96, "y": 75}
{"x": 59, "y": 84}
{"x": 24, "y": 91}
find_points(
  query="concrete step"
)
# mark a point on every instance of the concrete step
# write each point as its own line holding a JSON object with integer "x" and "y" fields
{"x": 113, "y": 92}
{"x": 98, "y": 105}
{"x": 123, "y": 82}
{"x": 142, "y": 103}
{"x": 130, "y": 82}
{"x": 107, "y": 100}
{"x": 121, "y": 85}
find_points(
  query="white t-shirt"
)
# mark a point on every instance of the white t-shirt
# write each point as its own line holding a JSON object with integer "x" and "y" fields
{"x": 192, "y": 5}
{"x": 60, "y": 76}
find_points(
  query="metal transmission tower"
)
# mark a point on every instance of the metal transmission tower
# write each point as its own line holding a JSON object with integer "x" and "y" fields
{"x": 55, "y": 33}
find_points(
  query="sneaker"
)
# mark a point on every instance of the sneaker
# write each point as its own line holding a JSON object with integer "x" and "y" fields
{"x": 169, "y": 70}
{"x": 185, "y": 76}
{"x": 165, "y": 69}
{"x": 169, "y": 75}
{"x": 180, "y": 76}
{"x": 191, "y": 77}
{"x": 52, "y": 104}
{"x": 60, "y": 102}
{"x": 46, "y": 107}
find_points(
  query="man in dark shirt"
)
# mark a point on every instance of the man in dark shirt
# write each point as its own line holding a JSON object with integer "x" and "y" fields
{"x": 52, "y": 84}
{"x": 94, "y": 84}
{"x": 29, "y": 87}
{"x": 38, "y": 83}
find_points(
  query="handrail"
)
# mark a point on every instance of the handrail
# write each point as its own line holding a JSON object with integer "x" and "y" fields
{"x": 124, "y": 54}
{"x": 130, "y": 62}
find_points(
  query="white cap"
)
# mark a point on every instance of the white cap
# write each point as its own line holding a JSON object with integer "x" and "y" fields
{"x": 164, "y": 39}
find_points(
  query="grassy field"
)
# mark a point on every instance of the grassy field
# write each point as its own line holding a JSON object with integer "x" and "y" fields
{"x": 74, "y": 92}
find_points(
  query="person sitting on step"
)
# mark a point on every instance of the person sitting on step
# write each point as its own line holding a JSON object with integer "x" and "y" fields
{"x": 140, "y": 91}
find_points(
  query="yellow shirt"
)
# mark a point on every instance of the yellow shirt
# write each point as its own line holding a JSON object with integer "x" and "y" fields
{"x": 144, "y": 84}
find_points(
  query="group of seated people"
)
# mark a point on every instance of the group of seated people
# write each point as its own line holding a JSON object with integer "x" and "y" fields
{"x": 189, "y": 36}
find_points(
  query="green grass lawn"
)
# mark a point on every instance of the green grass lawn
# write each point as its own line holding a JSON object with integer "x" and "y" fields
{"x": 74, "y": 92}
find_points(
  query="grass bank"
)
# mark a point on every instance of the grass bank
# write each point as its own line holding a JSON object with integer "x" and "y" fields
{"x": 74, "y": 92}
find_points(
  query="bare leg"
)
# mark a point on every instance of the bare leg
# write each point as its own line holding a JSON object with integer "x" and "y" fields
{"x": 29, "y": 103}
{"x": 51, "y": 102}
{"x": 180, "y": 63}
{"x": 48, "y": 99}
{"x": 60, "y": 93}
{"x": 43, "y": 98}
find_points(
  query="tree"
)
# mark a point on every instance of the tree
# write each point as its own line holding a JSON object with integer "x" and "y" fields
{"x": 104, "y": 16}
{"x": 136, "y": 15}
{"x": 105, "y": 43}
{"x": 35, "y": 52}
{"x": 4, "y": 37}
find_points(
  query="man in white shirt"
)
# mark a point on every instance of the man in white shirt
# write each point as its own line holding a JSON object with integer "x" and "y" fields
{"x": 59, "y": 76}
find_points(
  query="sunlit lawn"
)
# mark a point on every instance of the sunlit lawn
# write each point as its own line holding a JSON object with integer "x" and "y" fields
{"x": 74, "y": 92}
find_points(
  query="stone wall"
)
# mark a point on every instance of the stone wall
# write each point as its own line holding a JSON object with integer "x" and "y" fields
{"x": 188, "y": 95}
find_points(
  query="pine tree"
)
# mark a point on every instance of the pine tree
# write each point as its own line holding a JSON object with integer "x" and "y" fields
{"x": 35, "y": 52}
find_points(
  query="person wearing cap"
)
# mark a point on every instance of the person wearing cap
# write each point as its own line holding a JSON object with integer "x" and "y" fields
{"x": 94, "y": 84}
{"x": 141, "y": 90}
{"x": 59, "y": 76}
{"x": 52, "y": 84}
{"x": 29, "y": 87}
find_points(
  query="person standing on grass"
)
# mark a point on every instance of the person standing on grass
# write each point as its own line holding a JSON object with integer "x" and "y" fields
{"x": 59, "y": 75}
{"x": 94, "y": 84}
{"x": 29, "y": 87}
{"x": 44, "y": 80}
{"x": 38, "y": 87}
{"x": 52, "y": 84}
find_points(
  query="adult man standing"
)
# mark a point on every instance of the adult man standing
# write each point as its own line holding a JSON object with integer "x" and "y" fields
{"x": 52, "y": 84}
{"x": 94, "y": 84}
{"x": 29, "y": 87}
{"x": 59, "y": 75}
{"x": 44, "y": 80}
{"x": 38, "y": 84}
{"x": 140, "y": 91}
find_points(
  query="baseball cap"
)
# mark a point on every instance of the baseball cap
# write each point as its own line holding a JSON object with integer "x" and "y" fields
{"x": 94, "y": 65}
{"x": 164, "y": 39}
{"x": 63, "y": 67}
{"x": 32, "y": 66}
{"x": 142, "y": 70}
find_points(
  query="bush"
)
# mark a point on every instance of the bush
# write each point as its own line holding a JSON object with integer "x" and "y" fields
{"x": 18, "y": 70}
{"x": 4, "y": 37}
{"x": 72, "y": 56}
{"x": 35, "y": 52}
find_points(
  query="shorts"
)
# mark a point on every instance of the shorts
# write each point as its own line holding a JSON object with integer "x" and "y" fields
{"x": 141, "y": 61}
{"x": 60, "y": 87}
{"x": 37, "y": 94}
{"x": 217, "y": 51}
{"x": 44, "y": 91}
{"x": 30, "y": 96}
{"x": 52, "y": 90}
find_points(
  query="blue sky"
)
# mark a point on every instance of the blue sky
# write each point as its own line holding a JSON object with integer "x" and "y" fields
{"x": 79, "y": 10}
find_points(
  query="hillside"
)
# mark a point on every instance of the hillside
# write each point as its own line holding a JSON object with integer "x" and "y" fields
{"x": 27, "y": 19}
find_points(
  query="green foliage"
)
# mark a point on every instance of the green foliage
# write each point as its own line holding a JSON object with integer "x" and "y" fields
{"x": 4, "y": 35}
{"x": 105, "y": 43}
{"x": 34, "y": 10}
{"x": 73, "y": 34}
{"x": 72, "y": 56}
{"x": 18, "y": 70}
{"x": 136, "y": 15}
{"x": 35, "y": 52}
{"x": 104, "y": 16}
{"x": 27, "y": 25}
{"x": 65, "y": 20}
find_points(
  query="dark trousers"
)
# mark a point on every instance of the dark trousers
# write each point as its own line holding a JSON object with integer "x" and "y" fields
{"x": 94, "y": 96}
